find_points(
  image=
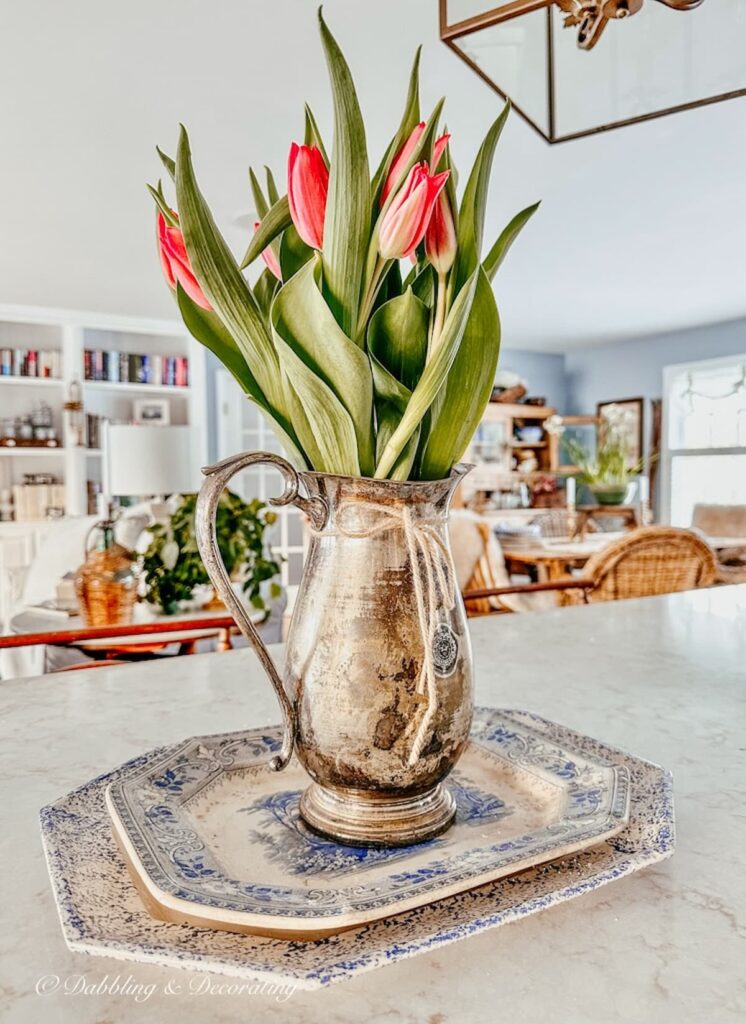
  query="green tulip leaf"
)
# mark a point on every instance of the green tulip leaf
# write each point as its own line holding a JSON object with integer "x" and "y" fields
{"x": 500, "y": 249}
{"x": 294, "y": 253}
{"x": 278, "y": 218}
{"x": 468, "y": 386}
{"x": 409, "y": 121}
{"x": 313, "y": 135}
{"x": 264, "y": 291}
{"x": 225, "y": 286}
{"x": 473, "y": 205}
{"x": 392, "y": 399}
{"x": 272, "y": 194}
{"x": 167, "y": 162}
{"x": 433, "y": 376}
{"x": 347, "y": 222}
{"x": 321, "y": 422}
{"x": 208, "y": 329}
{"x": 301, "y": 317}
{"x": 397, "y": 337}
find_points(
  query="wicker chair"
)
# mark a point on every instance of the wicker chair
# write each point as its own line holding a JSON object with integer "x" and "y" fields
{"x": 648, "y": 561}
{"x": 561, "y": 522}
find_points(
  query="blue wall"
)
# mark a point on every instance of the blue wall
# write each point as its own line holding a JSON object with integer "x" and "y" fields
{"x": 544, "y": 373}
{"x": 633, "y": 369}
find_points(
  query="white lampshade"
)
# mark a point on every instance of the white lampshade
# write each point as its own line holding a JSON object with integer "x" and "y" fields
{"x": 140, "y": 461}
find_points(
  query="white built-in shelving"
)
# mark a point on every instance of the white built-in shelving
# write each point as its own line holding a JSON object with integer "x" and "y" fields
{"x": 70, "y": 333}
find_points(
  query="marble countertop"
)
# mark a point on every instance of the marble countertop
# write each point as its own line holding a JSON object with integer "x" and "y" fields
{"x": 663, "y": 677}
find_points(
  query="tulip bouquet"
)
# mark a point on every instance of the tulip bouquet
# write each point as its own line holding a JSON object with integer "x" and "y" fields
{"x": 370, "y": 339}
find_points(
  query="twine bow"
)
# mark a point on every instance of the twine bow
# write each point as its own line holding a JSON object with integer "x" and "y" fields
{"x": 423, "y": 543}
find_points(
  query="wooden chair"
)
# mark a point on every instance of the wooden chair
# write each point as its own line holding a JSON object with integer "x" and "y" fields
{"x": 725, "y": 521}
{"x": 648, "y": 561}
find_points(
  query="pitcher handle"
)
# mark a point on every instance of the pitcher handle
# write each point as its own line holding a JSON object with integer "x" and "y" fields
{"x": 216, "y": 479}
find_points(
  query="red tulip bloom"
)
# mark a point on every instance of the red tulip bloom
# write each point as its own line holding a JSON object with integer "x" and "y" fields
{"x": 175, "y": 262}
{"x": 401, "y": 160}
{"x": 408, "y": 215}
{"x": 404, "y": 155}
{"x": 440, "y": 236}
{"x": 269, "y": 258}
{"x": 308, "y": 184}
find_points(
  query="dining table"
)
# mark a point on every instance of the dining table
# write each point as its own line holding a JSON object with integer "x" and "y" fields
{"x": 663, "y": 678}
{"x": 553, "y": 557}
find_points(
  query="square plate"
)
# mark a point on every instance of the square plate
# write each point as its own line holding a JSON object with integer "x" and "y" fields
{"x": 214, "y": 837}
{"x": 101, "y": 912}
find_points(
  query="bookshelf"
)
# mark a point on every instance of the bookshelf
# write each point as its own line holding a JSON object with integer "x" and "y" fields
{"x": 65, "y": 336}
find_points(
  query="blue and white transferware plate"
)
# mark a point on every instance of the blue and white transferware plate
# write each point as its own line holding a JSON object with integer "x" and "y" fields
{"x": 214, "y": 838}
{"x": 102, "y": 914}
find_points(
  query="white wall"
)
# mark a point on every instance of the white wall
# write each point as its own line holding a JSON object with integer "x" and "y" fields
{"x": 640, "y": 229}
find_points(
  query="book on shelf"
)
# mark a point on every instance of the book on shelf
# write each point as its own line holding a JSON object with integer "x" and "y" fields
{"x": 31, "y": 501}
{"x": 132, "y": 368}
{"x": 21, "y": 362}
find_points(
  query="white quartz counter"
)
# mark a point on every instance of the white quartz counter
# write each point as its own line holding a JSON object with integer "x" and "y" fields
{"x": 664, "y": 678}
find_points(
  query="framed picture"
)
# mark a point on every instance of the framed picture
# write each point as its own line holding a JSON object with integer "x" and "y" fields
{"x": 152, "y": 412}
{"x": 632, "y": 420}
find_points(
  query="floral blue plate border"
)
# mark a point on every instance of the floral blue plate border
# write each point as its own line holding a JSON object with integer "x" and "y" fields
{"x": 214, "y": 837}
{"x": 101, "y": 912}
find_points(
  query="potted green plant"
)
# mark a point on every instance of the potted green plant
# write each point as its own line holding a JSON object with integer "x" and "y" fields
{"x": 172, "y": 567}
{"x": 608, "y": 470}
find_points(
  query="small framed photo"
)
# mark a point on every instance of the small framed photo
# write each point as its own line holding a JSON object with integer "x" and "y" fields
{"x": 152, "y": 412}
{"x": 627, "y": 413}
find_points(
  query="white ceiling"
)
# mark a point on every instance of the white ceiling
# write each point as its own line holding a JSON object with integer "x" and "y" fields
{"x": 641, "y": 229}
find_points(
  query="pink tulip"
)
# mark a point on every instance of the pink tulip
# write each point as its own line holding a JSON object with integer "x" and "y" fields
{"x": 440, "y": 236}
{"x": 439, "y": 149}
{"x": 408, "y": 215}
{"x": 308, "y": 184}
{"x": 175, "y": 262}
{"x": 404, "y": 155}
{"x": 269, "y": 257}
{"x": 401, "y": 160}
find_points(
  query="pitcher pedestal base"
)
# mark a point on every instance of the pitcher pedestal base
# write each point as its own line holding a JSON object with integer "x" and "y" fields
{"x": 364, "y": 818}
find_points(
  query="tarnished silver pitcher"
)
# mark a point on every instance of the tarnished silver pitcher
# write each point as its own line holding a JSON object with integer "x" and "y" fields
{"x": 377, "y": 689}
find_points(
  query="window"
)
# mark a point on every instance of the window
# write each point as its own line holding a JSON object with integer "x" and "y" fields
{"x": 704, "y": 436}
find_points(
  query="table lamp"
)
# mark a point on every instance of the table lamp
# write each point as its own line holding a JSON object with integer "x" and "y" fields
{"x": 144, "y": 461}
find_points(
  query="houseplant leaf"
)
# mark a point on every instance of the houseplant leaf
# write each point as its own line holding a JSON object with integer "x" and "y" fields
{"x": 468, "y": 386}
{"x": 433, "y": 376}
{"x": 500, "y": 249}
{"x": 301, "y": 317}
{"x": 347, "y": 222}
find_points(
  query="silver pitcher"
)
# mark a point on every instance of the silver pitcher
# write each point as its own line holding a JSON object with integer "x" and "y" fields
{"x": 377, "y": 690}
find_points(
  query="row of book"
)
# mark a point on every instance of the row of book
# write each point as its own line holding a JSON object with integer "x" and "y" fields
{"x": 33, "y": 501}
{"x": 128, "y": 368}
{"x": 93, "y": 430}
{"x": 24, "y": 362}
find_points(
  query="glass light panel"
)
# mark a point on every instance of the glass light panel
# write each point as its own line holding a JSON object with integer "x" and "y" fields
{"x": 515, "y": 56}
{"x": 653, "y": 61}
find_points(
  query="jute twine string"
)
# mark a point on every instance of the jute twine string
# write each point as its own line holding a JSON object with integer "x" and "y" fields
{"x": 437, "y": 590}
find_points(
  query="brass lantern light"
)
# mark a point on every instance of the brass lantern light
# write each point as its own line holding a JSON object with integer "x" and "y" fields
{"x": 576, "y": 67}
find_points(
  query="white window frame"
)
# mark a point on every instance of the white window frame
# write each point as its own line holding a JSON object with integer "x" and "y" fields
{"x": 667, "y": 453}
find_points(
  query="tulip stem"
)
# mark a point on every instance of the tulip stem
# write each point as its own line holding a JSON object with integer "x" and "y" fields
{"x": 379, "y": 272}
{"x": 440, "y": 315}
